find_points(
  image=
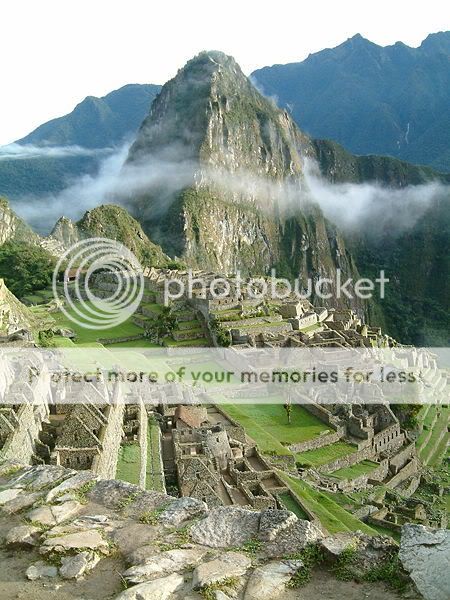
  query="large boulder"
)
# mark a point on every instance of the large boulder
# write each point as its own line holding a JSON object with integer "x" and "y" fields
{"x": 134, "y": 536}
{"x": 171, "y": 561}
{"x": 22, "y": 502}
{"x": 159, "y": 589}
{"x": 226, "y": 527}
{"x": 9, "y": 494}
{"x": 269, "y": 581}
{"x": 76, "y": 542}
{"x": 76, "y": 482}
{"x": 74, "y": 567}
{"x": 132, "y": 500}
{"x": 292, "y": 539}
{"x": 54, "y": 515}
{"x": 182, "y": 510}
{"x": 272, "y": 522}
{"x": 22, "y": 536}
{"x": 230, "y": 564}
{"x": 40, "y": 477}
{"x": 41, "y": 570}
{"x": 425, "y": 555}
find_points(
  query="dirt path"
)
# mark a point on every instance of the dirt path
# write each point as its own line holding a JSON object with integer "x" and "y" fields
{"x": 324, "y": 586}
{"x": 103, "y": 583}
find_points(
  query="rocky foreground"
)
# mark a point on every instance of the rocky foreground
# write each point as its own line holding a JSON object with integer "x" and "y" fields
{"x": 66, "y": 534}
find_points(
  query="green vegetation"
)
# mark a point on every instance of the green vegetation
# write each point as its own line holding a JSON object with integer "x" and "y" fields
{"x": 363, "y": 468}
{"x": 291, "y": 504}
{"x": 332, "y": 516}
{"x": 209, "y": 591}
{"x": 25, "y": 268}
{"x": 267, "y": 424}
{"x": 432, "y": 442}
{"x": 163, "y": 326}
{"x": 251, "y": 547}
{"x": 116, "y": 223}
{"x": 83, "y": 335}
{"x": 321, "y": 456}
{"x": 151, "y": 517}
{"x": 390, "y": 570}
{"x": 310, "y": 556}
{"x": 129, "y": 463}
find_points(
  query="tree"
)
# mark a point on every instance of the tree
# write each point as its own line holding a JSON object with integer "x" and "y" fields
{"x": 288, "y": 407}
{"x": 25, "y": 268}
{"x": 163, "y": 326}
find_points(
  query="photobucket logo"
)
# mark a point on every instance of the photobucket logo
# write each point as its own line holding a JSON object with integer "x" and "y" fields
{"x": 273, "y": 287}
{"x": 103, "y": 283}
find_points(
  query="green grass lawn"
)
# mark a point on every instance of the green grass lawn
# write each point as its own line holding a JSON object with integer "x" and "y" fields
{"x": 427, "y": 452}
{"x": 291, "y": 504}
{"x": 153, "y": 307}
{"x": 141, "y": 343}
{"x": 267, "y": 425}
{"x": 332, "y": 516}
{"x": 321, "y": 456}
{"x": 196, "y": 343}
{"x": 129, "y": 463}
{"x": 84, "y": 335}
{"x": 428, "y": 418}
{"x": 363, "y": 468}
{"x": 439, "y": 451}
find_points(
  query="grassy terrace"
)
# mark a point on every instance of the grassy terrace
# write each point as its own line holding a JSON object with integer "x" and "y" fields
{"x": 432, "y": 451}
{"x": 261, "y": 325}
{"x": 153, "y": 306}
{"x": 293, "y": 506}
{"x": 129, "y": 463}
{"x": 332, "y": 516}
{"x": 198, "y": 342}
{"x": 311, "y": 328}
{"x": 321, "y": 456}
{"x": 128, "y": 328}
{"x": 365, "y": 467}
{"x": 141, "y": 343}
{"x": 427, "y": 417}
{"x": 267, "y": 424}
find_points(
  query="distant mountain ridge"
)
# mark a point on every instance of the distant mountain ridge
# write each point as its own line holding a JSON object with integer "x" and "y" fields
{"x": 212, "y": 115}
{"x": 95, "y": 123}
{"x": 392, "y": 100}
{"x": 98, "y": 122}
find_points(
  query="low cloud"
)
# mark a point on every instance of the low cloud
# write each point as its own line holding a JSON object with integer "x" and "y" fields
{"x": 371, "y": 208}
{"x": 113, "y": 184}
{"x": 29, "y": 151}
{"x": 362, "y": 208}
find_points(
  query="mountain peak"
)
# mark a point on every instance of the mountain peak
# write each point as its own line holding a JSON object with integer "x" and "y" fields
{"x": 216, "y": 57}
{"x": 437, "y": 42}
{"x": 357, "y": 42}
{"x": 204, "y": 113}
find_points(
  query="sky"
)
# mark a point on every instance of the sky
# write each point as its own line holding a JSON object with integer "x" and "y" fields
{"x": 55, "y": 53}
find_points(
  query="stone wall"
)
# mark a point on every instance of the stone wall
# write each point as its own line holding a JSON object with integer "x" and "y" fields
{"x": 323, "y": 414}
{"x": 105, "y": 465}
{"x": 20, "y": 445}
{"x": 129, "y": 338}
{"x": 389, "y": 439}
{"x": 347, "y": 461}
{"x": 143, "y": 445}
{"x": 318, "y": 442}
{"x": 401, "y": 458}
{"x": 409, "y": 470}
{"x": 360, "y": 483}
